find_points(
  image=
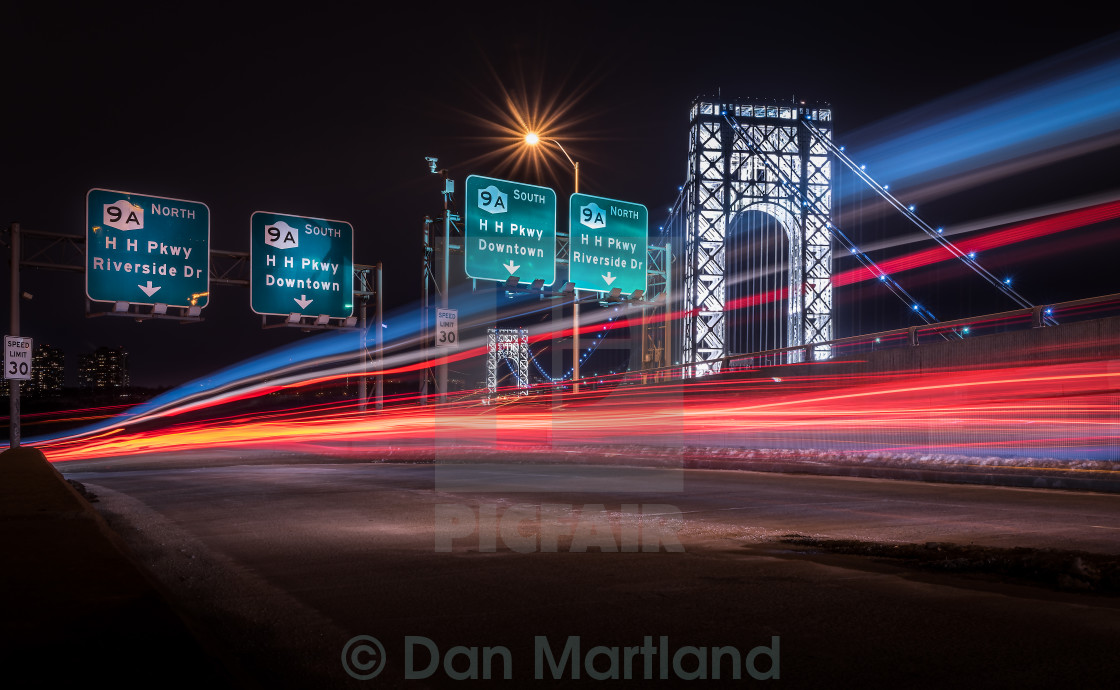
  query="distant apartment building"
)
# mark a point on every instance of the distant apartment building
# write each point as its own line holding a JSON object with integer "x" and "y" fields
{"x": 105, "y": 369}
{"x": 48, "y": 372}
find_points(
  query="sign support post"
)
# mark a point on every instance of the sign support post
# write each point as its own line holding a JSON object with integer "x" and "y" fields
{"x": 575, "y": 294}
{"x": 575, "y": 338}
{"x": 379, "y": 341}
{"x": 425, "y": 312}
{"x": 363, "y": 339}
{"x": 667, "y": 345}
{"x": 13, "y": 384}
{"x": 445, "y": 277}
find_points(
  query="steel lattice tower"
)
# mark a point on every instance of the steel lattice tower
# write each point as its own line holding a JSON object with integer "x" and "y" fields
{"x": 751, "y": 157}
{"x": 511, "y": 345}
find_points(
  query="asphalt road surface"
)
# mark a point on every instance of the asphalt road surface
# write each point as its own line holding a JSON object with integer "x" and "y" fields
{"x": 289, "y": 566}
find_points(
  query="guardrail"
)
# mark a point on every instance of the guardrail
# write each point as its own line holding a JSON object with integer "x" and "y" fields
{"x": 1042, "y": 316}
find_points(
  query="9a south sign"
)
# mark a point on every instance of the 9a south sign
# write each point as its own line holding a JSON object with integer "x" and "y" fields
{"x": 510, "y": 230}
{"x": 147, "y": 249}
{"x": 301, "y": 265}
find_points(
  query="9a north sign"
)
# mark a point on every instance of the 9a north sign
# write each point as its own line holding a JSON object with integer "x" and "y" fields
{"x": 301, "y": 265}
{"x": 147, "y": 249}
{"x": 609, "y": 242}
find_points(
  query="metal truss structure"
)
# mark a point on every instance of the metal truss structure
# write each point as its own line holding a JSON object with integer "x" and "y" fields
{"x": 657, "y": 350}
{"x": 507, "y": 345}
{"x": 60, "y": 252}
{"x": 756, "y": 157}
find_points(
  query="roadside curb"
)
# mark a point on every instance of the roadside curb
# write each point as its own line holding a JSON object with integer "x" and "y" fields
{"x": 76, "y": 605}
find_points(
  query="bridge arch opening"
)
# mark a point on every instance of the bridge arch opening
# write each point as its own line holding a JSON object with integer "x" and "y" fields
{"x": 757, "y": 284}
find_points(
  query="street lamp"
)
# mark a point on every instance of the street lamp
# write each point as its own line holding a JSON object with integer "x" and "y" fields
{"x": 532, "y": 139}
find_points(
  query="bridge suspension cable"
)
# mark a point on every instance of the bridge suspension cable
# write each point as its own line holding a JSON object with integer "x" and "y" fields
{"x": 666, "y": 228}
{"x": 583, "y": 358}
{"x": 908, "y": 212}
{"x": 885, "y": 278}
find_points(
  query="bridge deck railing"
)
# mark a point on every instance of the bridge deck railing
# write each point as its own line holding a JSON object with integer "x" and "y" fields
{"x": 1042, "y": 316}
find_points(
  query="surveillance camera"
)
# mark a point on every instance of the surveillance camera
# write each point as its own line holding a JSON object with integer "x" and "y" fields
{"x": 431, "y": 163}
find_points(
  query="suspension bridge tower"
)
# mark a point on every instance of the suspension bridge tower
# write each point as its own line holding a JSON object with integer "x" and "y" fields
{"x": 757, "y": 157}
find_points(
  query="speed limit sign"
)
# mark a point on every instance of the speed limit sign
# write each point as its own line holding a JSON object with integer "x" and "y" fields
{"x": 17, "y": 357}
{"x": 447, "y": 328}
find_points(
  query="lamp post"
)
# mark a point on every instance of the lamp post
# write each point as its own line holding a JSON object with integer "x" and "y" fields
{"x": 13, "y": 384}
{"x": 532, "y": 139}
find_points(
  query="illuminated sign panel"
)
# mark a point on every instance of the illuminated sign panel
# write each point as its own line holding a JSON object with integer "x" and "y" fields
{"x": 147, "y": 249}
{"x": 301, "y": 265}
{"x": 510, "y": 230}
{"x": 609, "y": 241}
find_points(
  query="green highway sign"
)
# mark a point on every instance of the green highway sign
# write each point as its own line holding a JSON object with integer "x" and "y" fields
{"x": 609, "y": 241}
{"x": 301, "y": 265}
{"x": 147, "y": 249}
{"x": 510, "y": 230}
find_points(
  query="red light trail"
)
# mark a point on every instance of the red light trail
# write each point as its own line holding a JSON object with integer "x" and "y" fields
{"x": 991, "y": 240}
{"x": 1051, "y": 408}
{"x": 1057, "y": 410}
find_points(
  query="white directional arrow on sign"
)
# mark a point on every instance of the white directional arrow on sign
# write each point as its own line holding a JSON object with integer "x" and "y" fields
{"x": 303, "y": 301}
{"x": 511, "y": 267}
{"x": 149, "y": 289}
{"x": 609, "y": 278}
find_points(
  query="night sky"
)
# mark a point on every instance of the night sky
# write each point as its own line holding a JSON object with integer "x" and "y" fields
{"x": 330, "y": 114}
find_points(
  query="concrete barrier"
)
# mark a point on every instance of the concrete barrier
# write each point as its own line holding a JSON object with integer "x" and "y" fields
{"x": 76, "y": 607}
